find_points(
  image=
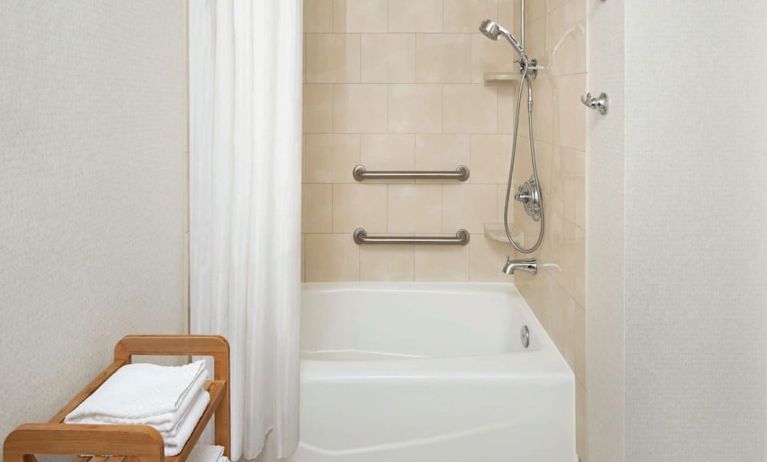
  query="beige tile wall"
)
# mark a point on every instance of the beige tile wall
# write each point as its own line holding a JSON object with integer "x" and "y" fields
{"x": 556, "y": 33}
{"x": 397, "y": 84}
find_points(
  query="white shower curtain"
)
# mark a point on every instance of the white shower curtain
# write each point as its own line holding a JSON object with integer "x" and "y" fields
{"x": 245, "y": 231}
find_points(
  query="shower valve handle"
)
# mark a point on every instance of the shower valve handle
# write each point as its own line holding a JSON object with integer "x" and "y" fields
{"x": 523, "y": 196}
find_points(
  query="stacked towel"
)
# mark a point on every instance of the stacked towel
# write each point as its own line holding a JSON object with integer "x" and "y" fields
{"x": 170, "y": 399}
{"x": 207, "y": 453}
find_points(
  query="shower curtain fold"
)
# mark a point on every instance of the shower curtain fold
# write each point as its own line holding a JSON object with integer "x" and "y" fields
{"x": 245, "y": 236}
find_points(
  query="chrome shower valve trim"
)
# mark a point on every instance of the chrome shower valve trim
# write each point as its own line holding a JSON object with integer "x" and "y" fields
{"x": 529, "y": 194}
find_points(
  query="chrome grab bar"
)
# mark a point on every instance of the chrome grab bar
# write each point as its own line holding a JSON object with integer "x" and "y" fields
{"x": 361, "y": 173}
{"x": 461, "y": 238}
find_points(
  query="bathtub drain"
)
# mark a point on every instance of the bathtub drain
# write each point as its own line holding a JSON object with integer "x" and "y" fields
{"x": 524, "y": 336}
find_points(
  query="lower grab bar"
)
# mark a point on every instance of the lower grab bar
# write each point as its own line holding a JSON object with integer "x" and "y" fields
{"x": 461, "y": 237}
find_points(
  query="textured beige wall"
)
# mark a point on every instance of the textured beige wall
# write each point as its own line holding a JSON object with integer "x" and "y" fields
{"x": 696, "y": 213}
{"x": 556, "y": 35}
{"x": 398, "y": 85}
{"x": 92, "y": 190}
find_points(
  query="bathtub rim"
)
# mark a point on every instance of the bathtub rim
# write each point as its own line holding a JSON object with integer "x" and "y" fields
{"x": 546, "y": 362}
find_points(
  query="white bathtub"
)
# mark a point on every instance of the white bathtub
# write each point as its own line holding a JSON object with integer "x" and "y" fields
{"x": 430, "y": 373}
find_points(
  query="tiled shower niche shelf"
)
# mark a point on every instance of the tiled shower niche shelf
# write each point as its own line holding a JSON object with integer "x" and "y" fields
{"x": 496, "y": 232}
{"x": 501, "y": 77}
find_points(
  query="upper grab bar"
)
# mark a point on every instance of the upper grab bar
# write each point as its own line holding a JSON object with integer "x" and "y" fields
{"x": 461, "y": 237}
{"x": 361, "y": 173}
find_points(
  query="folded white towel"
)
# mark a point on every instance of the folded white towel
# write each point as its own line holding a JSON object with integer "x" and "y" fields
{"x": 206, "y": 453}
{"x": 176, "y": 435}
{"x": 176, "y": 439}
{"x": 162, "y": 422}
{"x": 143, "y": 394}
{"x": 171, "y": 432}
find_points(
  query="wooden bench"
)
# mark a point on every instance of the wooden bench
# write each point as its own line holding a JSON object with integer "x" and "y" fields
{"x": 128, "y": 443}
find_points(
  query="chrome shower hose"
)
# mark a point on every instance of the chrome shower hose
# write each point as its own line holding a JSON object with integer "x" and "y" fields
{"x": 524, "y": 81}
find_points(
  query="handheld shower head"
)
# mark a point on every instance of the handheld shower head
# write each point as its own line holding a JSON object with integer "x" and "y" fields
{"x": 492, "y": 30}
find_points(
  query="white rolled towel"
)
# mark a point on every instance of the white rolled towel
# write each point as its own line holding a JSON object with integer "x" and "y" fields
{"x": 144, "y": 394}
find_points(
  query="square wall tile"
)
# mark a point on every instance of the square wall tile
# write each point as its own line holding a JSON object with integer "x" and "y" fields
{"x": 523, "y": 166}
{"x": 359, "y": 206}
{"x": 468, "y": 206}
{"x": 470, "y": 109}
{"x": 388, "y": 152}
{"x": 415, "y": 16}
{"x": 443, "y": 58}
{"x": 545, "y": 118}
{"x": 318, "y": 16}
{"x": 562, "y": 320}
{"x": 387, "y": 263}
{"x": 331, "y": 257}
{"x": 552, "y": 5}
{"x": 501, "y": 189}
{"x": 509, "y": 14}
{"x": 568, "y": 185}
{"x": 490, "y": 56}
{"x": 388, "y": 58}
{"x": 545, "y": 154}
{"x": 571, "y": 114}
{"x": 317, "y": 208}
{"x": 509, "y": 11}
{"x": 466, "y": 15}
{"x": 415, "y": 109}
{"x": 566, "y": 245}
{"x": 441, "y": 152}
{"x": 330, "y": 158}
{"x": 360, "y": 108}
{"x": 438, "y": 263}
{"x": 486, "y": 259}
{"x": 332, "y": 58}
{"x": 580, "y": 345}
{"x": 566, "y": 38}
{"x": 303, "y": 258}
{"x": 507, "y": 100}
{"x": 490, "y": 157}
{"x": 318, "y": 109}
{"x": 415, "y": 208}
{"x": 535, "y": 42}
{"x": 361, "y": 15}
{"x": 581, "y": 423}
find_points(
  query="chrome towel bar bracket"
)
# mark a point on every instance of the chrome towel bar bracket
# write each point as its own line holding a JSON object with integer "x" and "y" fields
{"x": 361, "y": 173}
{"x": 461, "y": 237}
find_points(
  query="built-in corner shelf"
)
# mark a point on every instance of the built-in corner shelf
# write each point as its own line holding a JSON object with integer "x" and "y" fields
{"x": 496, "y": 232}
{"x": 500, "y": 77}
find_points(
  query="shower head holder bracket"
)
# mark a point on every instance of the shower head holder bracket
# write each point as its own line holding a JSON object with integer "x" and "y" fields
{"x": 532, "y": 68}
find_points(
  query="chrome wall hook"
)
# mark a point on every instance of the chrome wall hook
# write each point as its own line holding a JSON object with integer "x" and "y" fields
{"x": 601, "y": 103}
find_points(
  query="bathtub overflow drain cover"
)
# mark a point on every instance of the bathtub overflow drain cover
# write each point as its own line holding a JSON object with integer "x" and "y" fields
{"x": 524, "y": 336}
